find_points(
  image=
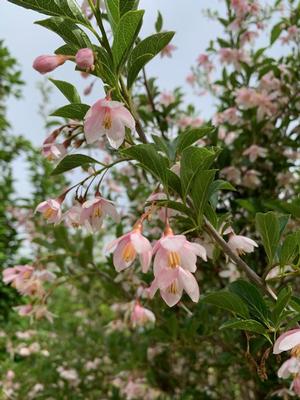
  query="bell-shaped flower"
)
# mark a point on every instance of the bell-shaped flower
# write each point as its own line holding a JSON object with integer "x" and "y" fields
{"x": 287, "y": 341}
{"x": 17, "y": 275}
{"x": 289, "y": 367}
{"x": 174, "y": 262}
{"x": 110, "y": 118}
{"x": 241, "y": 244}
{"x": 51, "y": 210}
{"x": 94, "y": 211}
{"x": 127, "y": 247}
{"x": 72, "y": 216}
{"x": 141, "y": 316}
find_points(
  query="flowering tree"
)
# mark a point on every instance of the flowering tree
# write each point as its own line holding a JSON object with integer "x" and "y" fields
{"x": 186, "y": 201}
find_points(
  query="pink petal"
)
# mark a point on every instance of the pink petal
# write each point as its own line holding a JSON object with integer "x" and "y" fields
{"x": 189, "y": 284}
{"x": 287, "y": 341}
{"x": 145, "y": 260}
{"x": 198, "y": 249}
{"x": 188, "y": 259}
{"x": 125, "y": 117}
{"x": 172, "y": 242}
{"x": 166, "y": 277}
{"x": 93, "y": 123}
{"x": 160, "y": 261}
{"x": 140, "y": 243}
{"x": 109, "y": 208}
{"x": 119, "y": 263}
{"x": 171, "y": 298}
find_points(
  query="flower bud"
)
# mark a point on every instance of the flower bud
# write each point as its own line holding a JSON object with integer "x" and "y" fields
{"x": 44, "y": 63}
{"x": 85, "y": 59}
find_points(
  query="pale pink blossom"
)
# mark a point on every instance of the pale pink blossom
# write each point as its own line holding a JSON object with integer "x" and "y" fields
{"x": 17, "y": 275}
{"x": 241, "y": 7}
{"x": 72, "y": 216}
{"x": 95, "y": 210}
{"x": 204, "y": 61}
{"x": 229, "y": 116}
{"x": 251, "y": 179}
{"x": 168, "y": 50}
{"x": 24, "y": 310}
{"x": 233, "y": 56}
{"x": 85, "y": 59}
{"x": 47, "y": 63}
{"x": 248, "y": 37}
{"x": 289, "y": 367}
{"x": 241, "y": 244}
{"x": 230, "y": 272}
{"x": 191, "y": 79}
{"x": 54, "y": 151}
{"x": 174, "y": 265}
{"x": 292, "y": 34}
{"x": 141, "y": 316}
{"x": 126, "y": 248}
{"x": 166, "y": 99}
{"x": 255, "y": 151}
{"x": 232, "y": 174}
{"x": 107, "y": 117}
{"x": 187, "y": 121}
{"x": 51, "y": 210}
{"x": 287, "y": 341}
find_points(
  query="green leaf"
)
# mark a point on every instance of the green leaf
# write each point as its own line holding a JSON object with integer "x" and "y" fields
{"x": 290, "y": 249}
{"x": 113, "y": 13}
{"x": 68, "y": 90}
{"x": 67, "y": 50}
{"x": 252, "y": 297}
{"x": 68, "y": 31}
{"x": 128, "y": 5}
{"x": 220, "y": 184}
{"x": 144, "y": 51}
{"x": 159, "y": 22}
{"x": 193, "y": 160}
{"x": 227, "y": 301}
{"x": 73, "y": 161}
{"x": 283, "y": 299}
{"x": 200, "y": 191}
{"x": 276, "y": 31}
{"x": 175, "y": 205}
{"x": 249, "y": 325}
{"x": 72, "y": 111}
{"x": 125, "y": 35}
{"x": 191, "y": 136}
{"x": 269, "y": 229}
{"x": 148, "y": 156}
{"x": 68, "y": 9}
{"x": 105, "y": 67}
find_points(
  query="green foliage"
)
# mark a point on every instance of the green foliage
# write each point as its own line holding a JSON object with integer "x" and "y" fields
{"x": 68, "y": 90}
{"x": 73, "y": 161}
{"x": 72, "y": 111}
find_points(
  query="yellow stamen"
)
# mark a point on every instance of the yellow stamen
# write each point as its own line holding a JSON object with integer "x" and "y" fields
{"x": 107, "y": 121}
{"x": 173, "y": 288}
{"x": 295, "y": 352}
{"x": 48, "y": 213}
{"x": 129, "y": 252}
{"x": 173, "y": 259}
{"x": 97, "y": 212}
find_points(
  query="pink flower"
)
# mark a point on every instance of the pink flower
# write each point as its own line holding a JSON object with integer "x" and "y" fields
{"x": 24, "y": 310}
{"x": 51, "y": 210}
{"x": 233, "y": 174}
{"x": 287, "y": 341}
{"x": 126, "y": 248}
{"x": 241, "y": 7}
{"x": 141, "y": 316}
{"x": 85, "y": 59}
{"x": 45, "y": 63}
{"x": 191, "y": 79}
{"x": 17, "y": 274}
{"x": 166, "y": 99}
{"x": 72, "y": 216}
{"x": 108, "y": 118}
{"x": 168, "y": 50}
{"x": 251, "y": 179}
{"x": 254, "y": 152}
{"x": 94, "y": 211}
{"x": 241, "y": 244}
{"x": 296, "y": 385}
{"x": 174, "y": 262}
{"x": 289, "y": 367}
{"x": 54, "y": 151}
{"x": 233, "y": 56}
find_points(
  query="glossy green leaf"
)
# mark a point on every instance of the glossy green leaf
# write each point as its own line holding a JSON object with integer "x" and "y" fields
{"x": 249, "y": 325}
{"x": 68, "y": 9}
{"x": 73, "y": 161}
{"x": 200, "y": 191}
{"x": 144, "y": 51}
{"x": 125, "y": 35}
{"x": 283, "y": 299}
{"x": 227, "y": 301}
{"x": 290, "y": 249}
{"x": 159, "y": 22}
{"x": 269, "y": 229}
{"x": 72, "y": 111}
{"x": 68, "y": 90}
{"x": 191, "y": 136}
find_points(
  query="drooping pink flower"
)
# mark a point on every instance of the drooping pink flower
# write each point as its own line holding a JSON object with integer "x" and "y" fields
{"x": 174, "y": 262}
{"x": 94, "y": 211}
{"x": 127, "y": 247}
{"x": 251, "y": 179}
{"x": 17, "y": 275}
{"x": 232, "y": 173}
{"x": 51, "y": 210}
{"x": 287, "y": 341}
{"x": 168, "y": 50}
{"x": 289, "y": 367}
{"x": 85, "y": 59}
{"x": 72, "y": 216}
{"x": 141, "y": 316}
{"x": 191, "y": 79}
{"x": 233, "y": 56}
{"x": 166, "y": 99}
{"x": 248, "y": 37}
{"x": 107, "y": 117}
{"x": 255, "y": 151}
{"x": 47, "y": 63}
{"x": 241, "y": 244}
{"x": 24, "y": 310}
{"x": 54, "y": 151}
{"x": 241, "y": 7}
